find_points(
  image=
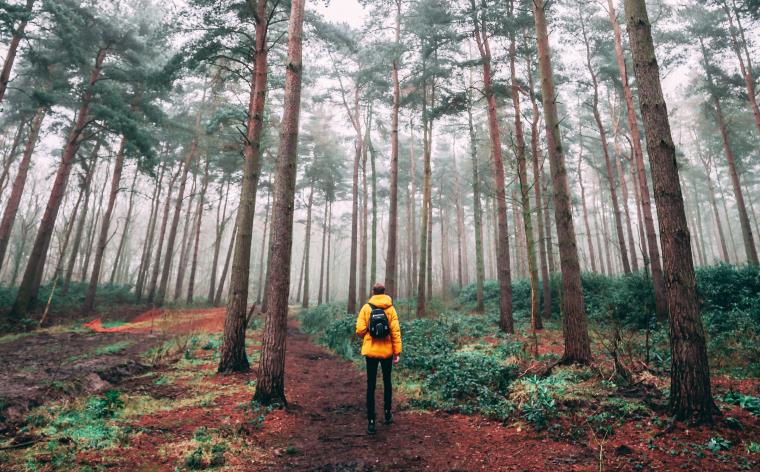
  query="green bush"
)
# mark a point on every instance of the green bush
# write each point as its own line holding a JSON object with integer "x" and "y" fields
{"x": 724, "y": 286}
{"x": 472, "y": 382}
{"x": 315, "y": 320}
{"x": 538, "y": 405}
{"x": 107, "y": 295}
{"x": 424, "y": 340}
{"x": 340, "y": 336}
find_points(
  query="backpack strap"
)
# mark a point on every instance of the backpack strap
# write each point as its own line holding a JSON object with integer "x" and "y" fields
{"x": 371, "y": 306}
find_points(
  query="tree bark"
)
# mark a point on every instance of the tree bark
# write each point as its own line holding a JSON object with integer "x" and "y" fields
{"x": 89, "y": 299}
{"x": 270, "y": 388}
{"x": 606, "y": 154}
{"x": 329, "y": 249}
{"x": 30, "y": 284}
{"x": 221, "y": 224}
{"x": 542, "y": 249}
{"x": 739, "y": 45}
{"x": 14, "y": 200}
{"x": 187, "y": 233}
{"x": 10, "y": 156}
{"x": 307, "y": 247}
{"x": 358, "y": 144}
{"x": 577, "y": 344}
{"x": 391, "y": 258}
{"x": 10, "y": 56}
{"x": 427, "y": 131}
{"x": 196, "y": 243}
{"x": 506, "y": 323}
{"x": 233, "y": 357}
{"x": 260, "y": 284}
{"x": 160, "y": 242}
{"x": 690, "y": 394}
{"x": 223, "y": 279}
{"x": 122, "y": 241}
{"x": 142, "y": 272}
{"x": 658, "y": 281}
{"x": 322, "y": 254}
{"x": 522, "y": 171}
{"x": 749, "y": 242}
{"x": 188, "y": 161}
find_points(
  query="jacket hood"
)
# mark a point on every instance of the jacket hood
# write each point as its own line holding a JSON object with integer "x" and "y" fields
{"x": 381, "y": 301}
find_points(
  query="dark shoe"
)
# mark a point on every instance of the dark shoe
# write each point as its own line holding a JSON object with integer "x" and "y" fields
{"x": 371, "y": 429}
{"x": 388, "y": 417}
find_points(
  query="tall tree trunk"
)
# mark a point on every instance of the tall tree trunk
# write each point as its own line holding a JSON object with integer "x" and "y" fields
{"x": 427, "y": 130}
{"x": 363, "y": 233}
{"x": 87, "y": 185}
{"x": 221, "y": 224}
{"x": 605, "y": 229}
{"x": 711, "y": 194}
{"x": 658, "y": 280}
{"x": 30, "y": 284}
{"x": 624, "y": 189}
{"x": 223, "y": 279}
{"x": 358, "y": 144}
{"x": 160, "y": 242}
{"x": 536, "y": 154}
{"x": 584, "y": 207}
{"x": 723, "y": 200}
{"x": 522, "y": 170}
{"x": 739, "y": 46}
{"x": 749, "y": 242}
{"x": 461, "y": 235}
{"x": 690, "y": 372}
{"x": 196, "y": 243}
{"x": 94, "y": 222}
{"x": 122, "y": 241}
{"x": 577, "y": 344}
{"x": 322, "y": 254}
{"x": 307, "y": 247}
{"x": 260, "y": 283}
{"x": 186, "y": 164}
{"x": 142, "y": 272}
{"x": 10, "y": 155}
{"x": 233, "y": 357}
{"x": 329, "y": 250}
{"x": 100, "y": 249}
{"x": 184, "y": 251}
{"x": 413, "y": 238}
{"x": 14, "y": 200}
{"x": 606, "y": 153}
{"x": 548, "y": 196}
{"x": 270, "y": 388}
{"x": 391, "y": 258}
{"x": 429, "y": 276}
{"x": 373, "y": 234}
{"x": 506, "y": 323}
{"x": 10, "y": 55}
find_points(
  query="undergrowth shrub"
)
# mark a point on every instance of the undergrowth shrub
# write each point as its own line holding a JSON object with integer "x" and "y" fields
{"x": 425, "y": 341}
{"x": 315, "y": 320}
{"x": 340, "y": 336}
{"x": 472, "y": 382}
{"x": 535, "y": 399}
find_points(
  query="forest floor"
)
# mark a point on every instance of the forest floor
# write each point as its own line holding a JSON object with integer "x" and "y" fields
{"x": 145, "y": 396}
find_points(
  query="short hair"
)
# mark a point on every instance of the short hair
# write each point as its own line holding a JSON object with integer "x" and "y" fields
{"x": 378, "y": 289}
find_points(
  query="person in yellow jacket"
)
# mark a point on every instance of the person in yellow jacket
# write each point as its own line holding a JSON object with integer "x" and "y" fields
{"x": 385, "y": 351}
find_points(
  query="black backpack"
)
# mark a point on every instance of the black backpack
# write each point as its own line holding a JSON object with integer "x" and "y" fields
{"x": 379, "y": 325}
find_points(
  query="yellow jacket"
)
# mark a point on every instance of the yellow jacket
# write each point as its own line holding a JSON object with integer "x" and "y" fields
{"x": 379, "y": 348}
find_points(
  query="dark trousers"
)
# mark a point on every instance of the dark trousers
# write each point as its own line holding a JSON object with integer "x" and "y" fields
{"x": 386, "y": 365}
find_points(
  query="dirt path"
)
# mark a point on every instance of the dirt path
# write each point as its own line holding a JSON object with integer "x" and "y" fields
{"x": 323, "y": 428}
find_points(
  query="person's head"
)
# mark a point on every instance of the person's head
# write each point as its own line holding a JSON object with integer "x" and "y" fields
{"x": 378, "y": 289}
